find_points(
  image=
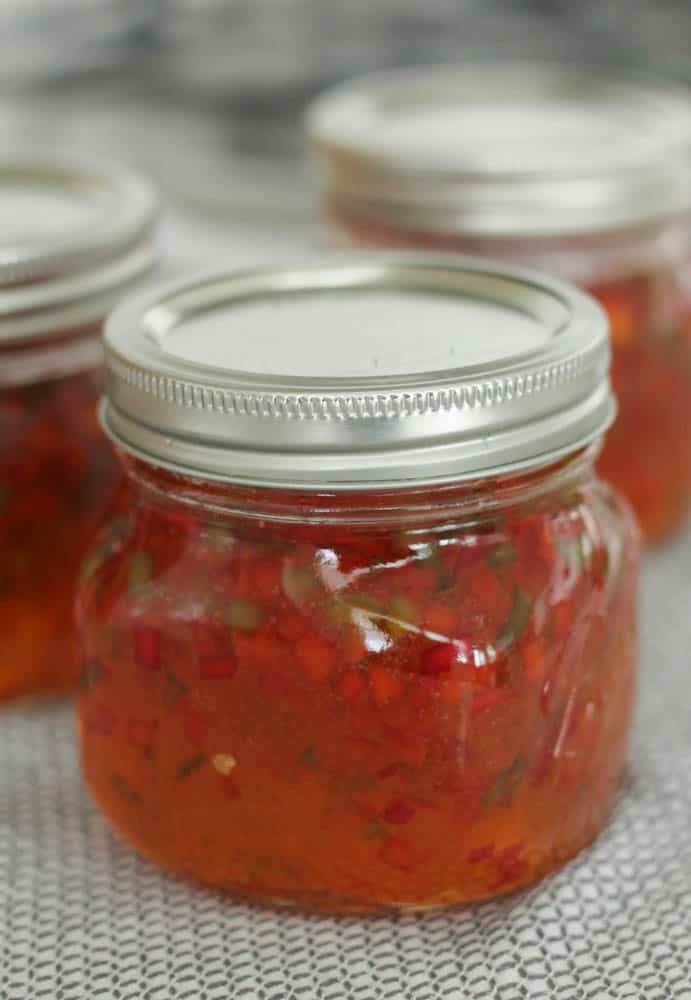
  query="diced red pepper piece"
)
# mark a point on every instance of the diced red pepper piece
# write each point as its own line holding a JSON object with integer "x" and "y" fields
{"x": 562, "y": 618}
{"x": 511, "y": 852}
{"x": 195, "y": 725}
{"x": 441, "y": 619}
{"x": 141, "y": 732}
{"x": 365, "y": 810}
{"x": 414, "y": 750}
{"x": 229, "y": 788}
{"x": 316, "y": 656}
{"x": 469, "y": 555}
{"x": 398, "y": 812}
{"x": 399, "y": 853}
{"x": 534, "y": 655}
{"x": 486, "y": 587}
{"x": 439, "y": 659}
{"x": 452, "y": 690}
{"x": 479, "y": 854}
{"x": 276, "y": 685}
{"x": 290, "y": 626}
{"x": 100, "y": 719}
{"x": 394, "y": 770}
{"x": 352, "y": 685}
{"x": 266, "y": 577}
{"x": 147, "y": 647}
{"x": 385, "y": 686}
{"x": 487, "y": 700}
{"x": 215, "y": 668}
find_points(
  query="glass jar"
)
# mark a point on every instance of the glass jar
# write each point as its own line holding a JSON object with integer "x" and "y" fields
{"x": 75, "y": 237}
{"x": 582, "y": 174}
{"x": 365, "y": 637}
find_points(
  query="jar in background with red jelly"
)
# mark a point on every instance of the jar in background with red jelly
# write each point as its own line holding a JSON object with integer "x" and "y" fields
{"x": 365, "y": 637}
{"x": 75, "y": 237}
{"x": 576, "y": 172}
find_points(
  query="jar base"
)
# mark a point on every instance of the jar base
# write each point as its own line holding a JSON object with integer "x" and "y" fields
{"x": 325, "y": 904}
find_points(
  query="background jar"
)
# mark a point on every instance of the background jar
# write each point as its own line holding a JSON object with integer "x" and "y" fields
{"x": 76, "y": 236}
{"x": 365, "y": 636}
{"x": 579, "y": 173}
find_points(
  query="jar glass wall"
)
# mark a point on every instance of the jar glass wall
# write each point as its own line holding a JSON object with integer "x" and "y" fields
{"x": 405, "y": 700}
{"x": 364, "y": 635}
{"x": 58, "y": 477}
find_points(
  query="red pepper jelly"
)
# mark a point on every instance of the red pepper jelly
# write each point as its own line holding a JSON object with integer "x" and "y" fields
{"x": 582, "y": 174}
{"x": 74, "y": 237}
{"x": 365, "y": 638}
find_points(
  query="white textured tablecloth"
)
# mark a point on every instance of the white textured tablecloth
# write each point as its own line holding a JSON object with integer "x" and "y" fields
{"x": 82, "y": 917}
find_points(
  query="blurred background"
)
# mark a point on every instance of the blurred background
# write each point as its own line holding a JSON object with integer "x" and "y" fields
{"x": 206, "y": 95}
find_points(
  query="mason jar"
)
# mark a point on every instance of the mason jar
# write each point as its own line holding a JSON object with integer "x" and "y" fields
{"x": 583, "y": 174}
{"x": 364, "y": 637}
{"x": 75, "y": 237}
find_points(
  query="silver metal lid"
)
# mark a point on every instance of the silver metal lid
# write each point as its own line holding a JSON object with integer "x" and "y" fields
{"x": 366, "y": 371}
{"x": 73, "y": 236}
{"x": 505, "y": 149}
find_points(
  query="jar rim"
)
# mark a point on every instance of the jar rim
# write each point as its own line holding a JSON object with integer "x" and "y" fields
{"x": 543, "y": 149}
{"x": 528, "y": 382}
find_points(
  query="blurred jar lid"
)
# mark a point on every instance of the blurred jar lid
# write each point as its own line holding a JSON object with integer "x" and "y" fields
{"x": 75, "y": 235}
{"x": 505, "y": 149}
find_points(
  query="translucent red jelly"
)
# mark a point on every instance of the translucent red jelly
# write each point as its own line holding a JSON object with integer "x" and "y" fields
{"x": 57, "y": 476}
{"x": 647, "y": 454}
{"x": 360, "y": 702}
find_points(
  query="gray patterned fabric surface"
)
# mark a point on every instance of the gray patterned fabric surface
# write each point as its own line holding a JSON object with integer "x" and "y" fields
{"x": 82, "y": 917}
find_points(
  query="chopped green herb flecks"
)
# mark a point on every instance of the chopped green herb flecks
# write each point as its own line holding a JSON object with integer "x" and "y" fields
{"x": 299, "y": 584}
{"x": 92, "y": 671}
{"x": 519, "y": 618}
{"x": 310, "y": 757}
{"x": 140, "y": 570}
{"x": 403, "y": 616}
{"x": 431, "y": 555}
{"x": 501, "y": 555}
{"x": 173, "y": 689}
{"x": 374, "y": 831}
{"x": 190, "y": 766}
{"x": 571, "y": 497}
{"x": 364, "y": 602}
{"x": 506, "y": 783}
{"x": 125, "y": 790}
{"x": 244, "y": 616}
